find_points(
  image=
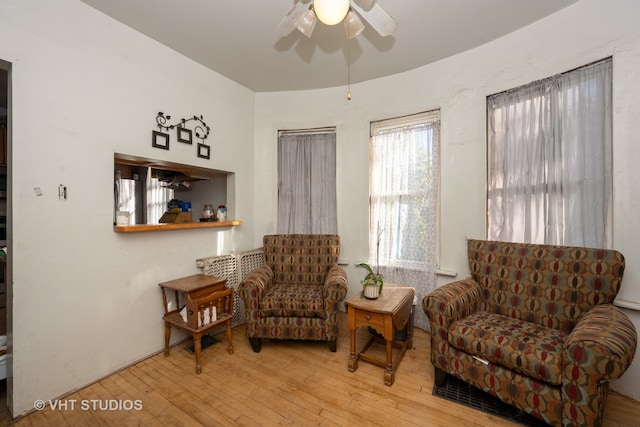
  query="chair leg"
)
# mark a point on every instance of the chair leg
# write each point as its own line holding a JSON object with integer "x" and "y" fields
{"x": 333, "y": 346}
{"x": 440, "y": 376}
{"x": 256, "y": 344}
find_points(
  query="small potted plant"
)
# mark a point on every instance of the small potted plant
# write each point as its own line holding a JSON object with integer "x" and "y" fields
{"x": 372, "y": 283}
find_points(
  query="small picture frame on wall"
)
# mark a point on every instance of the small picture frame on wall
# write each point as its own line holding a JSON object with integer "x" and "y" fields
{"x": 160, "y": 140}
{"x": 184, "y": 135}
{"x": 204, "y": 151}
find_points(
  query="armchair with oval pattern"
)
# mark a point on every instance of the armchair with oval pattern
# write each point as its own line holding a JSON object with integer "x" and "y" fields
{"x": 296, "y": 294}
{"x": 535, "y": 326}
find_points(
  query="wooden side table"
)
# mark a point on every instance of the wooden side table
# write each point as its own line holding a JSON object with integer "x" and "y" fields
{"x": 391, "y": 310}
{"x": 203, "y": 295}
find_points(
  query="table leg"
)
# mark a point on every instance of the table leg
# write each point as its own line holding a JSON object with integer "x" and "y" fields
{"x": 353, "y": 359}
{"x": 229, "y": 342}
{"x": 389, "y": 371}
{"x": 197, "y": 348}
{"x": 410, "y": 328}
{"x": 167, "y": 336}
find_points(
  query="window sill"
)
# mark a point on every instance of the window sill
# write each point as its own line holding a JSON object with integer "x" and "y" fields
{"x": 631, "y": 305}
{"x": 448, "y": 273}
{"x": 173, "y": 226}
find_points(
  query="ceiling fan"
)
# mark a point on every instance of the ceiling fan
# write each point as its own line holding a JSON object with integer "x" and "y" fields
{"x": 331, "y": 12}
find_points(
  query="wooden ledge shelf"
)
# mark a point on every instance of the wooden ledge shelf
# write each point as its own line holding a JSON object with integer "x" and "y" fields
{"x": 172, "y": 226}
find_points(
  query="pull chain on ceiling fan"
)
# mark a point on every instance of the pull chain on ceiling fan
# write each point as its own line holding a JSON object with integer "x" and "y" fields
{"x": 331, "y": 12}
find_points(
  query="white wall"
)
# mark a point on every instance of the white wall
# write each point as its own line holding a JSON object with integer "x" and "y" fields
{"x": 85, "y": 299}
{"x": 458, "y": 86}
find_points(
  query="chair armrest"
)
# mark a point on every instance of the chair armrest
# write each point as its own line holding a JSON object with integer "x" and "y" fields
{"x": 444, "y": 306}
{"x": 333, "y": 292}
{"x": 601, "y": 346}
{"x": 254, "y": 285}
{"x": 451, "y": 302}
{"x": 598, "y": 350}
{"x": 335, "y": 284}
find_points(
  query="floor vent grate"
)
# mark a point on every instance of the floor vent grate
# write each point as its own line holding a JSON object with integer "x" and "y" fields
{"x": 460, "y": 392}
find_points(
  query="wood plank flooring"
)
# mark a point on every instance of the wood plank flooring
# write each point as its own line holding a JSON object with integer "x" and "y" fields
{"x": 287, "y": 384}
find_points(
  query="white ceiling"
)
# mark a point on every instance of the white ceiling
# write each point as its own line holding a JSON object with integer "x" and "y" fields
{"x": 236, "y": 38}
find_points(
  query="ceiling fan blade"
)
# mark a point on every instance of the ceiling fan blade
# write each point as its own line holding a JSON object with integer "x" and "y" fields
{"x": 365, "y": 4}
{"x": 353, "y": 24}
{"x": 288, "y": 23}
{"x": 378, "y": 18}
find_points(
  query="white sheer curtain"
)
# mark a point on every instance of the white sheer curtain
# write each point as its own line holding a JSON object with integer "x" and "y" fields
{"x": 158, "y": 196}
{"x": 550, "y": 162}
{"x": 307, "y": 183}
{"x": 405, "y": 174}
{"x": 126, "y": 201}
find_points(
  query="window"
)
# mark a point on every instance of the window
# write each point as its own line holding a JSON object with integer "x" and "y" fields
{"x": 404, "y": 196}
{"x": 158, "y": 196}
{"x": 549, "y": 160}
{"x": 404, "y": 190}
{"x": 307, "y": 182}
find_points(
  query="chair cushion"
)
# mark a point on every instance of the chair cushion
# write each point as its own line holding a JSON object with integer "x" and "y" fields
{"x": 528, "y": 348}
{"x": 292, "y": 300}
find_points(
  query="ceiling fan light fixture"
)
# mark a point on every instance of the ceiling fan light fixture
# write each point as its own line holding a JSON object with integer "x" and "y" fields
{"x": 331, "y": 12}
{"x": 353, "y": 24}
{"x": 307, "y": 22}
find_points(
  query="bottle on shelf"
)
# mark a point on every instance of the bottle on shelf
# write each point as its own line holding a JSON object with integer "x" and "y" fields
{"x": 221, "y": 214}
{"x": 207, "y": 211}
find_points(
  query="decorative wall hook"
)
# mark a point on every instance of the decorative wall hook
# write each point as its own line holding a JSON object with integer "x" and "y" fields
{"x": 183, "y": 133}
{"x": 201, "y": 129}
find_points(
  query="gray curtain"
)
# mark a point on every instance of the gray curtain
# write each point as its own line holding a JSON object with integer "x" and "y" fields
{"x": 307, "y": 183}
{"x": 550, "y": 161}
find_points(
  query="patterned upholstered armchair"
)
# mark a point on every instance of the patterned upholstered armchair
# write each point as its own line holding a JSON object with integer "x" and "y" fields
{"x": 296, "y": 294}
{"x": 536, "y": 327}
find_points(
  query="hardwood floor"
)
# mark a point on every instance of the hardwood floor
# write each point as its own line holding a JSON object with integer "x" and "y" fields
{"x": 288, "y": 383}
